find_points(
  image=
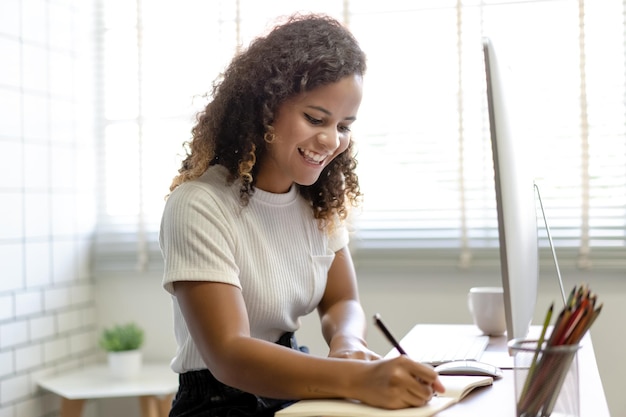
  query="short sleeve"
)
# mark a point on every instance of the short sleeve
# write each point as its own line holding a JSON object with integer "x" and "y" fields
{"x": 196, "y": 240}
{"x": 339, "y": 238}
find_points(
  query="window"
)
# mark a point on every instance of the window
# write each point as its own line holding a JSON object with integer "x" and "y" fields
{"x": 426, "y": 158}
{"x": 424, "y": 150}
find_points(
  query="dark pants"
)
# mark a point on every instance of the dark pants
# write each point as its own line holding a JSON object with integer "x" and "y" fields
{"x": 201, "y": 395}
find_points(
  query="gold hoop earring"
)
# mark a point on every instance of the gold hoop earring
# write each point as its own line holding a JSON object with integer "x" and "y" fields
{"x": 269, "y": 137}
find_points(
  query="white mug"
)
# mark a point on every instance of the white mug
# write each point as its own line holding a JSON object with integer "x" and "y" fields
{"x": 486, "y": 304}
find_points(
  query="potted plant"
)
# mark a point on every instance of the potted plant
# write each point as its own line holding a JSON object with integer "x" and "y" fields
{"x": 122, "y": 342}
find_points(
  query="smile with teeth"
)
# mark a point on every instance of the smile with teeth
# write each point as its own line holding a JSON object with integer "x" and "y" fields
{"x": 312, "y": 157}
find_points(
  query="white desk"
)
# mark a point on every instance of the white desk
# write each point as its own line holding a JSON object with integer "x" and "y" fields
{"x": 154, "y": 386}
{"x": 498, "y": 400}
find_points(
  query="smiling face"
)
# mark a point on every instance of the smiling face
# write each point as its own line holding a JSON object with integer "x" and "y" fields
{"x": 310, "y": 130}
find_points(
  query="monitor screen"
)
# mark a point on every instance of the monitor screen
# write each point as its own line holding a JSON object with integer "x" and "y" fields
{"x": 515, "y": 200}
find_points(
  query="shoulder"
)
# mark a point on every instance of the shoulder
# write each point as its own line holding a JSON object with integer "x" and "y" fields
{"x": 210, "y": 186}
{"x": 208, "y": 196}
{"x": 339, "y": 236}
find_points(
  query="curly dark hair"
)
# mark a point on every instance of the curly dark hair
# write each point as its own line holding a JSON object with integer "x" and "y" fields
{"x": 305, "y": 52}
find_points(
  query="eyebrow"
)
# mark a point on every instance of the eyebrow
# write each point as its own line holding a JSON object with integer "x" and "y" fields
{"x": 323, "y": 110}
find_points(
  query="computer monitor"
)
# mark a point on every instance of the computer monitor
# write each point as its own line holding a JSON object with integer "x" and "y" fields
{"x": 515, "y": 200}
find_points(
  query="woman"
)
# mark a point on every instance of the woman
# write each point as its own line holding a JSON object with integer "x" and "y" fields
{"x": 253, "y": 236}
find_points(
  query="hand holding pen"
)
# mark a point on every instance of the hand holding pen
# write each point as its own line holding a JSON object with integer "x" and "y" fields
{"x": 436, "y": 385}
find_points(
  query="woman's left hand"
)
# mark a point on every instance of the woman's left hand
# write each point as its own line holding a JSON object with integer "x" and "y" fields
{"x": 343, "y": 347}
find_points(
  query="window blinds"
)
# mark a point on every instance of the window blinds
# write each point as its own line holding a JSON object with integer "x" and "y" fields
{"x": 425, "y": 157}
{"x": 422, "y": 136}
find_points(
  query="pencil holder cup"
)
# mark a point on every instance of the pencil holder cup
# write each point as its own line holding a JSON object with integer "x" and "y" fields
{"x": 546, "y": 379}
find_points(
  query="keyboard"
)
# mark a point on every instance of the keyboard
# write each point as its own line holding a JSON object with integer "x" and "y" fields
{"x": 435, "y": 351}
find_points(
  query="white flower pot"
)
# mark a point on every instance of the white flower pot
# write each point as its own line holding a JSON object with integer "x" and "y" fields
{"x": 125, "y": 364}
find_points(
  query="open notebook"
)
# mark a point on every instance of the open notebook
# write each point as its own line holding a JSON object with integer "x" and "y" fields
{"x": 457, "y": 387}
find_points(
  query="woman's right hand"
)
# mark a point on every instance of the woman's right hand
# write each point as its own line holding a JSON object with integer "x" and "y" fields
{"x": 397, "y": 383}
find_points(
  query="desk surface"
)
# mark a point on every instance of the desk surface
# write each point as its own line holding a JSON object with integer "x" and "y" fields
{"x": 498, "y": 400}
{"x": 95, "y": 381}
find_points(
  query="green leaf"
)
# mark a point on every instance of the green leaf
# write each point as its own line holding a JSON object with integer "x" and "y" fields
{"x": 122, "y": 337}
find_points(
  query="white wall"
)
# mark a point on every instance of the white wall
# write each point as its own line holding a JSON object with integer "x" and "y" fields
{"x": 47, "y": 147}
{"x": 403, "y": 298}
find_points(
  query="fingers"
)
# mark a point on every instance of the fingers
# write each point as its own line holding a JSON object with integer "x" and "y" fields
{"x": 428, "y": 375}
{"x": 396, "y": 383}
{"x": 420, "y": 394}
{"x": 438, "y": 386}
{"x": 422, "y": 382}
{"x": 366, "y": 354}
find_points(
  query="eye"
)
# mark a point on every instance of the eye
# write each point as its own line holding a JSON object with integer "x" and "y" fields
{"x": 312, "y": 119}
{"x": 344, "y": 129}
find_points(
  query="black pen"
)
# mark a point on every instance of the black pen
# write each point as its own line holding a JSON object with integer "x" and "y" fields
{"x": 388, "y": 334}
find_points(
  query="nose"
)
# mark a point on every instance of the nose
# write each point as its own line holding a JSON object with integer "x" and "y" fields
{"x": 329, "y": 139}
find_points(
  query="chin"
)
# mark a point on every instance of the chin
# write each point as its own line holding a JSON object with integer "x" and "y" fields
{"x": 307, "y": 182}
{"x": 309, "y": 177}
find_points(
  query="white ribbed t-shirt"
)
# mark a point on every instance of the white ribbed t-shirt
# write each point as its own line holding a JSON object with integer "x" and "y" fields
{"x": 272, "y": 249}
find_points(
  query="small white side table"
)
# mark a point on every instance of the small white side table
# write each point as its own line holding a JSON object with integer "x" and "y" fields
{"x": 155, "y": 387}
